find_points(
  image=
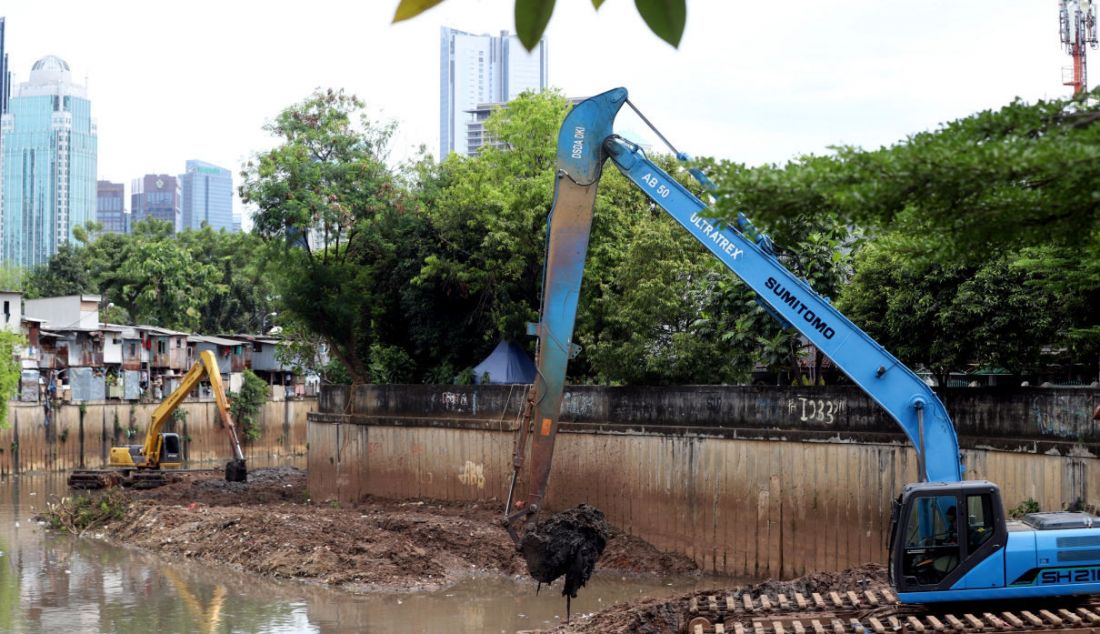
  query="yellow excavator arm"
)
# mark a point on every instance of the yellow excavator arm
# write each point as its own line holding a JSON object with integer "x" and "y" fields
{"x": 205, "y": 367}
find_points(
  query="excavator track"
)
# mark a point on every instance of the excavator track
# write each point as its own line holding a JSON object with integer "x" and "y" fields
{"x": 92, "y": 479}
{"x": 875, "y": 609}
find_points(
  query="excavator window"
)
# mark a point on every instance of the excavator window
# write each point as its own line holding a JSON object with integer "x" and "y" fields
{"x": 932, "y": 545}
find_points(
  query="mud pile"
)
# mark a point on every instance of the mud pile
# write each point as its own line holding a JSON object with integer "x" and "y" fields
{"x": 567, "y": 543}
{"x": 269, "y": 526}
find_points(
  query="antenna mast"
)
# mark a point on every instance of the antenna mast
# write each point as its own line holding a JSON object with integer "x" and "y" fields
{"x": 1077, "y": 23}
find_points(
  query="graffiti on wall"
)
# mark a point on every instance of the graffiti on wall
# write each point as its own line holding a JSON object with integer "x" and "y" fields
{"x": 815, "y": 409}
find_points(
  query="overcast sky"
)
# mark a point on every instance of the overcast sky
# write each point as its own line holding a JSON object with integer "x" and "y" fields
{"x": 753, "y": 82}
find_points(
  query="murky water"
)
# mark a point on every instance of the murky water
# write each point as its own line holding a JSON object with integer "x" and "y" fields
{"x": 57, "y": 583}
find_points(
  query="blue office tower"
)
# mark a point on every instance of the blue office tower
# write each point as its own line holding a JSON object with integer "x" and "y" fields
{"x": 207, "y": 196}
{"x": 49, "y": 164}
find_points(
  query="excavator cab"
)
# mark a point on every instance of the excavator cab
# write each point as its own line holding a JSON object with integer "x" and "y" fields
{"x": 943, "y": 532}
{"x": 168, "y": 448}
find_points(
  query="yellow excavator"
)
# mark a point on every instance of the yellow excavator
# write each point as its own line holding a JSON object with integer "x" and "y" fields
{"x": 142, "y": 466}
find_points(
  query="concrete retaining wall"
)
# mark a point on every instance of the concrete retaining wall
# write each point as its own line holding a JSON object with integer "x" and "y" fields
{"x": 30, "y": 444}
{"x": 746, "y": 480}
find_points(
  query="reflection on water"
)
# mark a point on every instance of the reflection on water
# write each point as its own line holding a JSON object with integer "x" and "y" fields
{"x": 57, "y": 583}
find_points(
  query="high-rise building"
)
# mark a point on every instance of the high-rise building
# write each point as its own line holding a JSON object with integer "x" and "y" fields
{"x": 49, "y": 164}
{"x": 110, "y": 209}
{"x": 5, "y": 72}
{"x": 156, "y": 196}
{"x": 207, "y": 196}
{"x": 481, "y": 69}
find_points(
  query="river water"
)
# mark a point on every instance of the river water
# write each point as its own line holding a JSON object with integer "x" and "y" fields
{"x": 53, "y": 582}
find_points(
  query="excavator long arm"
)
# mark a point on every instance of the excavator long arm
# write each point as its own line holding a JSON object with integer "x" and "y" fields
{"x": 205, "y": 367}
{"x": 585, "y": 142}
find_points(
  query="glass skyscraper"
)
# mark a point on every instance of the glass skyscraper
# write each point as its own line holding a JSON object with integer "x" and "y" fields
{"x": 48, "y": 143}
{"x": 207, "y": 196}
{"x": 481, "y": 69}
{"x": 5, "y": 72}
{"x": 111, "y": 207}
{"x": 155, "y": 196}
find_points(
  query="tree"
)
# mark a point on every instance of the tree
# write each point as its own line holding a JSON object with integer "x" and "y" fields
{"x": 1018, "y": 176}
{"x": 666, "y": 18}
{"x": 320, "y": 195}
{"x": 11, "y": 370}
{"x": 246, "y": 405}
{"x": 154, "y": 277}
{"x": 65, "y": 273}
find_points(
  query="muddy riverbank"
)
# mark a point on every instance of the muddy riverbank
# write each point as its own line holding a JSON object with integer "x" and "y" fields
{"x": 269, "y": 526}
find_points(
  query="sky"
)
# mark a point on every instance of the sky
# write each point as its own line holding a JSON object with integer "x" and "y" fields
{"x": 753, "y": 82}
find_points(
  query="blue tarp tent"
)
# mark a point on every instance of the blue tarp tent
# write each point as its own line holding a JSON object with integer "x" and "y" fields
{"x": 508, "y": 363}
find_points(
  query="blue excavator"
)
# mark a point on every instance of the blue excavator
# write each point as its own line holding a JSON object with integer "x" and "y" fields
{"x": 950, "y": 539}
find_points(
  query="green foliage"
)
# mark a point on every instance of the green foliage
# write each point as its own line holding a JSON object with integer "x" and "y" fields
{"x": 205, "y": 281}
{"x": 11, "y": 347}
{"x": 1014, "y": 177}
{"x": 1023, "y": 508}
{"x": 81, "y": 513}
{"x": 245, "y": 406}
{"x": 666, "y": 18}
{"x": 332, "y": 213}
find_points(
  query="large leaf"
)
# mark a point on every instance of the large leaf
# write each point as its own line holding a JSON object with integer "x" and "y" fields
{"x": 666, "y": 18}
{"x": 531, "y": 19}
{"x": 412, "y": 8}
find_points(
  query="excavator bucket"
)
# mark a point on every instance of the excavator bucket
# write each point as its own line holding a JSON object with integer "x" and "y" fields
{"x": 236, "y": 471}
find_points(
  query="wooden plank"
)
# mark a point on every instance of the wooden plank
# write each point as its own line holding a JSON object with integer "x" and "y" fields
{"x": 765, "y": 603}
{"x": 694, "y": 607}
{"x": 854, "y": 598}
{"x": 871, "y": 598}
{"x": 1012, "y": 619}
{"x": 914, "y": 624}
{"x": 698, "y": 629}
{"x": 817, "y": 626}
{"x": 974, "y": 622}
{"x": 746, "y": 600}
{"x": 778, "y": 628}
{"x": 955, "y": 623}
{"x": 719, "y": 628}
{"x": 800, "y": 601}
{"x": 730, "y": 605}
{"x": 738, "y": 628}
{"x": 784, "y": 604}
{"x": 818, "y": 601}
{"x": 937, "y": 626}
{"x": 1050, "y": 616}
{"x": 1031, "y": 618}
{"x": 838, "y": 626}
{"x": 895, "y": 623}
{"x": 855, "y": 626}
{"x": 757, "y": 627}
{"x": 836, "y": 599}
{"x": 712, "y": 603}
{"x": 889, "y": 596}
{"x": 876, "y": 625}
{"x": 798, "y": 627}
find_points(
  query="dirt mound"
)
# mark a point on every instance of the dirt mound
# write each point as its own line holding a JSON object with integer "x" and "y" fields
{"x": 268, "y": 525}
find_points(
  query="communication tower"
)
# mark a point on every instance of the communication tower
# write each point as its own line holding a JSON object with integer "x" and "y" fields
{"x": 1077, "y": 23}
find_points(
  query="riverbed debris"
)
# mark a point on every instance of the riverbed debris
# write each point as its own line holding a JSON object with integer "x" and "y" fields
{"x": 566, "y": 544}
